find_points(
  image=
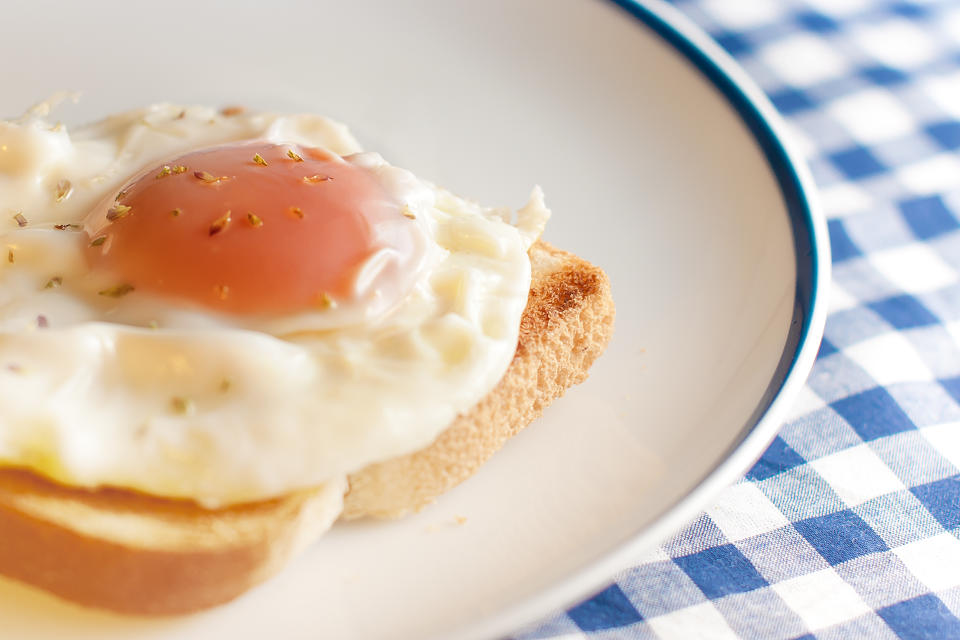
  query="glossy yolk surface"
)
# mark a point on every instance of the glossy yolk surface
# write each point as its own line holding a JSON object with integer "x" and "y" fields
{"x": 246, "y": 228}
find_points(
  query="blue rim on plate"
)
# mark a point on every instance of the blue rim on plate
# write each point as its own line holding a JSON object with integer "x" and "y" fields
{"x": 812, "y": 250}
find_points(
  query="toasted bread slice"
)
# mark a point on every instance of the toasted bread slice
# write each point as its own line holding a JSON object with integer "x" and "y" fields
{"x": 133, "y": 553}
{"x": 139, "y": 554}
{"x": 566, "y": 325}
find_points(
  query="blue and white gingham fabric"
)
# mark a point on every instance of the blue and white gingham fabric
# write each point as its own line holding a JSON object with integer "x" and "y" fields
{"x": 848, "y": 526}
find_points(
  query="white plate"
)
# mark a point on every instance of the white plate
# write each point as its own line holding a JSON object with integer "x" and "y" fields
{"x": 661, "y": 163}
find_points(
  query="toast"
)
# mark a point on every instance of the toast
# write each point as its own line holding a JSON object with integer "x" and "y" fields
{"x": 139, "y": 554}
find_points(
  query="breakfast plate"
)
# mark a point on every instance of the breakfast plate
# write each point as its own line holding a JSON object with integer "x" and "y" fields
{"x": 662, "y": 164}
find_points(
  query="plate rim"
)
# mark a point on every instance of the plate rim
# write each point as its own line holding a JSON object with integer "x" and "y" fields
{"x": 812, "y": 254}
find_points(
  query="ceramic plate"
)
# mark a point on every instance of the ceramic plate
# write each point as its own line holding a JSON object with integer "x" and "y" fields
{"x": 661, "y": 163}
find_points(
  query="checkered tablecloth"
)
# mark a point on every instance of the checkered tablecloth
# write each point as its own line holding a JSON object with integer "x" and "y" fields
{"x": 848, "y": 526}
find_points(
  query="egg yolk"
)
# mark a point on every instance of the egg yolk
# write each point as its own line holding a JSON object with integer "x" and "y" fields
{"x": 248, "y": 228}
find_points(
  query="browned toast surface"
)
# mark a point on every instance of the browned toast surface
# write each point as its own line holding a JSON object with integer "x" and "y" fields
{"x": 139, "y": 554}
{"x": 566, "y": 325}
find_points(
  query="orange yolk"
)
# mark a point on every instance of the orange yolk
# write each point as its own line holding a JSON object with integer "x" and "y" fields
{"x": 246, "y": 228}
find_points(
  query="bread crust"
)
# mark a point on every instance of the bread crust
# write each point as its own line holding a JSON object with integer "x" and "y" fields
{"x": 566, "y": 325}
{"x": 139, "y": 554}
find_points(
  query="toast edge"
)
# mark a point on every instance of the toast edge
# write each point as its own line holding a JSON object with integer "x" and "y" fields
{"x": 566, "y": 325}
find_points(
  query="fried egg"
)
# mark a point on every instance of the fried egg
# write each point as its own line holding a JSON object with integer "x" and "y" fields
{"x": 227, "y": 306}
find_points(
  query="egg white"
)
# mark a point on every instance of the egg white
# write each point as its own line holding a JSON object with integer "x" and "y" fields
{"x": 142, "y": 393}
